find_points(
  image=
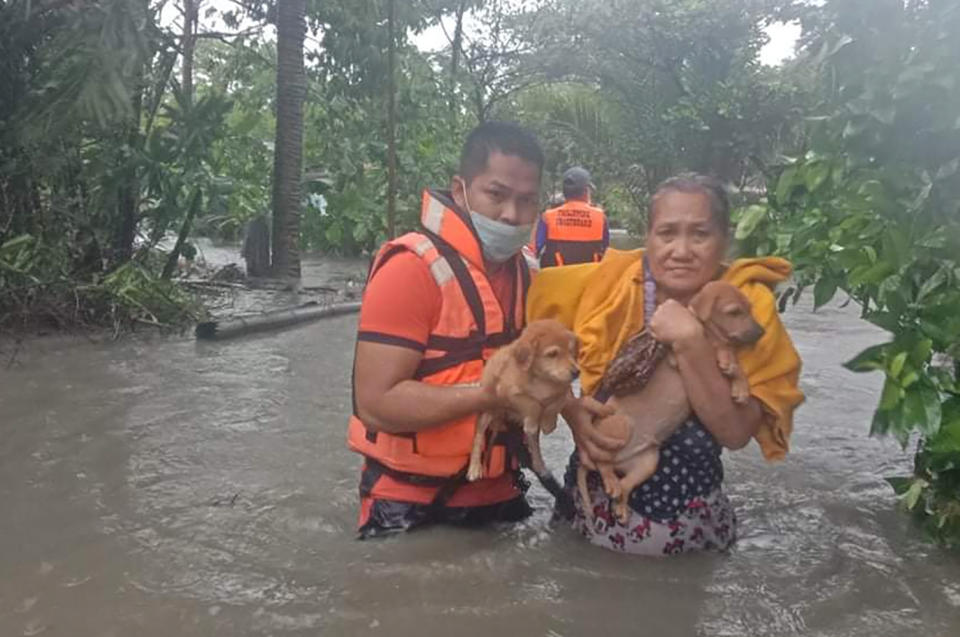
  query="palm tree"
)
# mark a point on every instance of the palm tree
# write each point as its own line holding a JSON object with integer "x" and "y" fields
{"x": 288, "y": 151}
{"x": 391, "y": 121}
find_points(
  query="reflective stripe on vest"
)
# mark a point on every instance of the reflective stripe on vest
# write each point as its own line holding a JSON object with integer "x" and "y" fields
{"x": 470, "y": 327}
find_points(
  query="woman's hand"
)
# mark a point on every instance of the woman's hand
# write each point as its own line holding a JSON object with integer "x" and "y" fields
{"x": 592, "y": 445}
{"x": 673, "y": 323}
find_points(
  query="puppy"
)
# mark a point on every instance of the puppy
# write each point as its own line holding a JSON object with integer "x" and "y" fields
{"x": 532, "y": 376}
{"x": 649, "y": 413}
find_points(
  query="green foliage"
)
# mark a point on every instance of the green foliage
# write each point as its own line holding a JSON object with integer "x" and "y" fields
{"x": 686, "y": 78}
{"x": 96, "y": 149}
{"x": 176, "y": 159}
{"x": 39, "y": 292}
{"x": 641, "y": 90}
{"x": 873, "y": 208}
{"x": 577, "y": 125}
{"x": 242, "y": 156}
{"x": 345, "y": 152}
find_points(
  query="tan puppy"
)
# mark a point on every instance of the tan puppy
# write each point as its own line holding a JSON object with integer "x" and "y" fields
{"x": 532, "y": 375}
{"x": 649, "y": 413}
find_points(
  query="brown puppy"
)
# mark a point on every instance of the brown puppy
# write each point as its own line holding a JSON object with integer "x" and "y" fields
{"x": 651, "y": 413}
{"x": 532, "y": 375}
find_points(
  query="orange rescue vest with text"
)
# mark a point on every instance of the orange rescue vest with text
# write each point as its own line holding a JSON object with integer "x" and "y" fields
{"x": 574, "y": 234}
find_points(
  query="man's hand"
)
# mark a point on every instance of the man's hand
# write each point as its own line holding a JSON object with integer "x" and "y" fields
{"x": 591, "y": 444}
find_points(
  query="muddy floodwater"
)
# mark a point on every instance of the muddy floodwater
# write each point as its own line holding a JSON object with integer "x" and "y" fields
{"x": 157, "y": 486}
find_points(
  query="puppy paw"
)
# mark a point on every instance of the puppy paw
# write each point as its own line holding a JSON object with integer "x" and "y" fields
{"x": 728, "y": 368}
{"x": 727, "y": 362}
{"x": 548, "y": 426}
{"x": 530, "y": 427}
{"x": 622, "y": 511}
{"x": 613, "y": 489}
{"x": 740, "y": 392}
{"x": 474, "y": 472}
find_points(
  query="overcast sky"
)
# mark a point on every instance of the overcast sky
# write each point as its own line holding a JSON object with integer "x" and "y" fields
{"x": 783, "y": 36}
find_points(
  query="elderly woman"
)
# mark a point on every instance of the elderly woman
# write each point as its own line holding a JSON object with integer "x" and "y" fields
{"x": 682, "y": 507}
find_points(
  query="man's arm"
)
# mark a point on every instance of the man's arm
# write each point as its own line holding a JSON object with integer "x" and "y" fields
{"x": 400, "y": 306}
{"x": 389, "y": 400}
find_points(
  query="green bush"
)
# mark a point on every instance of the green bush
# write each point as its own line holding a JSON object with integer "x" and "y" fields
{"x": 873, "y": 208}
{"x": 39, "y": 292}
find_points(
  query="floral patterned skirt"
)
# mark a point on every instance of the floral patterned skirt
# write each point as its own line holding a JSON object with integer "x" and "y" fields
{"x": 706, "y": 523}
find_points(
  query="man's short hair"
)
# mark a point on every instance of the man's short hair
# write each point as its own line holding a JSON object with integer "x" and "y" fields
{"x": 504, "y": 137}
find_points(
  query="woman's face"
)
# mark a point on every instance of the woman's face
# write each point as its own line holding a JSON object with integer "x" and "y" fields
{"x": 684, "y": 245}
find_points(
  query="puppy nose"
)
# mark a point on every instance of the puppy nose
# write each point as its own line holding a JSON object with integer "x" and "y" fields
{"x": 756, "y": 333}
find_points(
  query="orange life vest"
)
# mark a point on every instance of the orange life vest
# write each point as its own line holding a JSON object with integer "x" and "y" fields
{"x": 472, "y": 325}
{"x": 574, "y": 234}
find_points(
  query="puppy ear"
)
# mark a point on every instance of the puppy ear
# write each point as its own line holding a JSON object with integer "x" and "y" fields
{"x": 702, "y": 305}
{"x": 523, "y": 354}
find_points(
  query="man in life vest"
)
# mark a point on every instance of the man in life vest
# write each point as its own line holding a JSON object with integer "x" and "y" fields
{"x": 576, "y": 231}
{"x": 437, "y": 304}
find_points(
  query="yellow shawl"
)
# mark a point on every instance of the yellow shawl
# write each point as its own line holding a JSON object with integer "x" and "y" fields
{"x": 603, "y": 303}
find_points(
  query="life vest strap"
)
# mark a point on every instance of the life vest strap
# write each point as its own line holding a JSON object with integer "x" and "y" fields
{"x": 431, "y": 366}
{"x": 390, "y": 339}
{"x": 373, "y": 469}
{"x": 371, "y": 436}
{"x": 472, "y": 342}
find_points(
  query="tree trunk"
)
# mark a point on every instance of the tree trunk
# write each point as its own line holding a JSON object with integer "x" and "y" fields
{"x": 128, "y": 194}
{"x": 455, "y": 56}
{"x": 191, "y": 13}
{"x": 128, "y": 197}
{"x": 479, "y": 103}
{"x": 288, "y": 151}
{"x": 23, "y": 216}
{"x": 391, "y": 122}
{"x": 185, "y": 227}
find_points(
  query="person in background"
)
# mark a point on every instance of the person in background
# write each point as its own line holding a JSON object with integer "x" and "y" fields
{"x": 576, "y": 231}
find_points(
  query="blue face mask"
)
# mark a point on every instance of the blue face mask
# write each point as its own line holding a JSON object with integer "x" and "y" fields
{"x": 499, "y": 241}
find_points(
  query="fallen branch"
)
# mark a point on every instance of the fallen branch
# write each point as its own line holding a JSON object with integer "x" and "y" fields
{"x": 214, "y": 284}
{"x": 216, "y": 330}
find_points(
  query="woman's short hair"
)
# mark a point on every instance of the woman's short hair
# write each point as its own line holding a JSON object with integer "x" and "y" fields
{"x": 697, "y": 183}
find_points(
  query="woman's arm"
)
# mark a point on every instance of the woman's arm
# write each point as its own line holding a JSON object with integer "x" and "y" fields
{"x": 732, "y": 424}
{"x": 707, "y": 388}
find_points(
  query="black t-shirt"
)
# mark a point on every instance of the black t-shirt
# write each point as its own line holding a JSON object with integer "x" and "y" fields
{"x": 689, "y": 467}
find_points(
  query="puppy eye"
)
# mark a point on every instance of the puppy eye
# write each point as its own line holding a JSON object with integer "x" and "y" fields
{"x": 553, "y": 353}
